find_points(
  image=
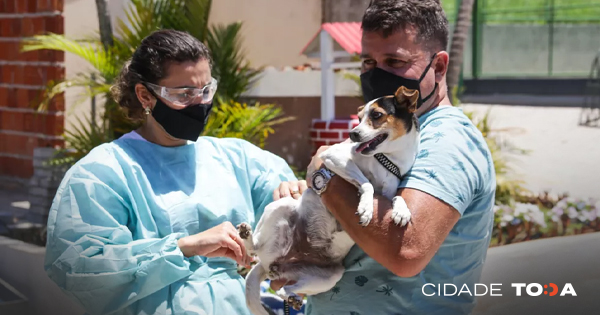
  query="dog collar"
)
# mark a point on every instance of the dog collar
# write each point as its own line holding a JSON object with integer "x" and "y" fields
{"x": 389, "y": 165}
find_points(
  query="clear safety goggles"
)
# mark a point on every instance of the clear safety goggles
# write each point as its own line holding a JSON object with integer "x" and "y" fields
{"x": 186, "y": 96}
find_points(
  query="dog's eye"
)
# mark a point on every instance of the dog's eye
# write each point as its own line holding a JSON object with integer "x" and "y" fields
{"x": 376, "y": 115}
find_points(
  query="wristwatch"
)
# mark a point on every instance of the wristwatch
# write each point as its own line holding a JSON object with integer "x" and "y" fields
{"x": 320, "y": 179}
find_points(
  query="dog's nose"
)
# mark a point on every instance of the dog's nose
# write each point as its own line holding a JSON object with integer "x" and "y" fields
{"x": 354, "y": 136}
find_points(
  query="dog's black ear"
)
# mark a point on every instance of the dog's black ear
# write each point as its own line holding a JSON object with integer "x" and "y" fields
{"x": 407, "y": 97}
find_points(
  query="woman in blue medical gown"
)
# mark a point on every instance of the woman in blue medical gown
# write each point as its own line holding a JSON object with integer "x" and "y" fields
{"x": 146, "y": 224}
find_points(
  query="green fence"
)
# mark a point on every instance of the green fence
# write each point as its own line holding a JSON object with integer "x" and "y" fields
{"x": 530, "y": 38}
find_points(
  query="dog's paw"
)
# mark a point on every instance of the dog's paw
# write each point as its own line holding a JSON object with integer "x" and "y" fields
{"x": 295, "y": 301}
{"x": 365, "y": 205}
{"x": 245, "y": 230}
{"x": 400, "y": 212}
{"x": 365, "y": 210}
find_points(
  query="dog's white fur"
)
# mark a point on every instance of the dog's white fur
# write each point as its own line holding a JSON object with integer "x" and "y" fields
{"x": 277, "y": 230}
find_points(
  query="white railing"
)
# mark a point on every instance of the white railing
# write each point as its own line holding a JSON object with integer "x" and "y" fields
{"x": 288, "y": 82}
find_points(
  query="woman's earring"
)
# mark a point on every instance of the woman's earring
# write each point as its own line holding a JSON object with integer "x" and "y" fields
{"x": 147, "y": 110}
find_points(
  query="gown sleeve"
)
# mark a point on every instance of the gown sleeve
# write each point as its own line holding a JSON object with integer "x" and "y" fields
{"x": 93, "y": 256}
{"x": 265, "y": 172}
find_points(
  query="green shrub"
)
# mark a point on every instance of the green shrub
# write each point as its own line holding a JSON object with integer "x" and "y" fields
{"x": 240, "y": 120}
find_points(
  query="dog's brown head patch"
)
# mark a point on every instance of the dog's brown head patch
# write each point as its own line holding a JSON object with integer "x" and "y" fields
{"x": 391, "y": 116}
{"x": 392, "y": 112}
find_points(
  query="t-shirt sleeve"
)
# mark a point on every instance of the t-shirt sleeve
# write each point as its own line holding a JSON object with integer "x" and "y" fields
{"x": 452, "y": 162}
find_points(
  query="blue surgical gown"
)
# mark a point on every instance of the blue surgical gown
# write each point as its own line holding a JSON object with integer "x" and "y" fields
{"x": 118, "y": 213}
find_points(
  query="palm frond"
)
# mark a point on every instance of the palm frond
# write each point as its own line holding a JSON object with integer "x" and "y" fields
{"x": 230, "y": 66}
{"x": 80, "y": 140}
{"x": 90, "y": 87}
{"x": 191, "y": 16}
{"x": 92, "y": 52}
{"x": 198, "y": 23}
{"x": 141, "y": 19}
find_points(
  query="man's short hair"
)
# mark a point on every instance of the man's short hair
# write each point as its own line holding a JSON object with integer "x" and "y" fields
{"x": 426, "y": 16}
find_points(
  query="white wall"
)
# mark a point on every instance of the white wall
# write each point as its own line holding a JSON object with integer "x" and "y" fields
{"x": 274, "y": 32}
{"x": 295, "y": 83}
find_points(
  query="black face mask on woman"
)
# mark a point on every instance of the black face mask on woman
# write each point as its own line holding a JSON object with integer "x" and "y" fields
{"x": 376, "y": 83}
{"x": 187, "y": 123}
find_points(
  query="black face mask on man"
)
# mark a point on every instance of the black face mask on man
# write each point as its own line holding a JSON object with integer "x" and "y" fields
{"x": 187, "y": 123}
{"x": 376, "y": 83}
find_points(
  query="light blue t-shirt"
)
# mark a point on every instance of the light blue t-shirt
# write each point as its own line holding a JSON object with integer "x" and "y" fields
{"x": 454, "y": 165}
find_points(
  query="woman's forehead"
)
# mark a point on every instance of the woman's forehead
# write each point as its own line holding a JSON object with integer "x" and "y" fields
{"x": 187, "y": 74}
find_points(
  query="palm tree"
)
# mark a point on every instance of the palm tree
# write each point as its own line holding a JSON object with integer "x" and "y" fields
{"x": 459, "y": 37}
{"x": 108, "y": 53}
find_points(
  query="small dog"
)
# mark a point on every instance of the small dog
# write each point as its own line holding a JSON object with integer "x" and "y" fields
{"x": 300, "y": 240}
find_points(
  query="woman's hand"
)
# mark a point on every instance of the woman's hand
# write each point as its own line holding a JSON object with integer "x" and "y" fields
{"x": 286, "y": 189}
{"x": 222, "y": 240}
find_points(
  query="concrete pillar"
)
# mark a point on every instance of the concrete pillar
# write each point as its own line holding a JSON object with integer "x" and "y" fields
{"x": 327, "y": 77}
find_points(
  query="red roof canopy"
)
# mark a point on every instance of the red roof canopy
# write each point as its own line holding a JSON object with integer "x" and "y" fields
{"x": 346, "y": 37}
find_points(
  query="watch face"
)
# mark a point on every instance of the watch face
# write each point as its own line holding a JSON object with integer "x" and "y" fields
{"x": 318, "y": 181}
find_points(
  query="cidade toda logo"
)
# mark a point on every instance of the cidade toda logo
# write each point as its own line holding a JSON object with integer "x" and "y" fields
{"x": 495, "y": 289}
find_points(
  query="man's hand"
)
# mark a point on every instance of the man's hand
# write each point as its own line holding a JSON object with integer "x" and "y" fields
{"x": 315, "y": 164}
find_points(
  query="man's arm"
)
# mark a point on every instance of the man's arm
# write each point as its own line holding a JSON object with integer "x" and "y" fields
{"x": 405, "y": 251}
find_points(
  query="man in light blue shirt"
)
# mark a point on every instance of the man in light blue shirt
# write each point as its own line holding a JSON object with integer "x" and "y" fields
{"x": 450, "y": 190}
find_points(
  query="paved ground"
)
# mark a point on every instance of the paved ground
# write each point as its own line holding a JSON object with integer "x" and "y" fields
{"x": 13, "y": 203}
{"x": 564, "y": 157}
{"x": 559, "y": 260}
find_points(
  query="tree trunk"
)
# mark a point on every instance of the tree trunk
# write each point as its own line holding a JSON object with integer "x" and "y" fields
{"x": 106, "y": 34}
{"x": 459, "y": 37}
{"x": 106, "y": 37}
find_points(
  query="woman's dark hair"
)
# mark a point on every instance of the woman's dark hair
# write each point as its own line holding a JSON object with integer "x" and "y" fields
{"x": 150, "y": 62}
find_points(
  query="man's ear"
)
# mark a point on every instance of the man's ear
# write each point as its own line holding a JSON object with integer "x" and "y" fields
{"x": 407, "y": 97}
{"x": 441, "y": 65}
